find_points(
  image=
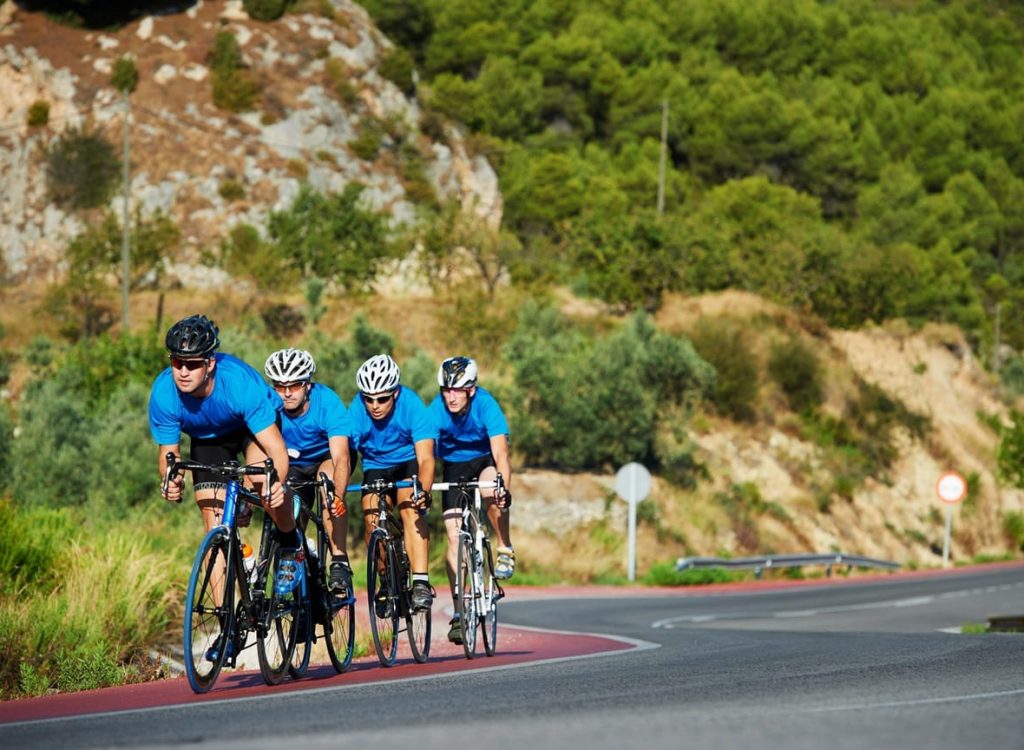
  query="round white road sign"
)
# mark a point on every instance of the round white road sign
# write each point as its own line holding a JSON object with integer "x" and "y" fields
{"x": 633, "y": 482}
{"x": 951, "y": 487}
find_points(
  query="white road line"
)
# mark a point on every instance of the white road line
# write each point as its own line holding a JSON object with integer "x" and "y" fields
{"x": 916, "y": 702}
{"x": 914, "y": 601}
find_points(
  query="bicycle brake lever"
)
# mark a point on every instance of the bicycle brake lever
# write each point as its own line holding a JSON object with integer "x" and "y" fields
{"x": 170, "y": 474}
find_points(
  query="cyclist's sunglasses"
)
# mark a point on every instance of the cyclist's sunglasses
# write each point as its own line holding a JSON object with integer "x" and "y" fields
{"x": 378, "y": 399}
{"x": 189, "y": 364}
{"x": 287, "y": 387}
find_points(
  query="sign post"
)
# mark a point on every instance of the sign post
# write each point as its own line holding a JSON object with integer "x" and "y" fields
{"x": 632, "y": 484}
{"x": 951, "y": 489}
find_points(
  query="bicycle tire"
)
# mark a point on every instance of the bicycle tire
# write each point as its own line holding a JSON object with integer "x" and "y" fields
{"x": 299, "y": 662}
{"x": 275, "y": 645}
{"x": 417, "y": 624}
{"x": 489, "y": 603}
{"x": 340, "y": 616}
{"x": 468, "y": 593}
{"x": 381, "y": 590}
{"x": 205, "y": 621}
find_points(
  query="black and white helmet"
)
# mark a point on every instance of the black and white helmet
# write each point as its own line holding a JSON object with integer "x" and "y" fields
{"x": 457, "y": 372}
{"x": 289, "y": 366}
{"x": 194, "y": 336}
{"x": 378, "y": 374}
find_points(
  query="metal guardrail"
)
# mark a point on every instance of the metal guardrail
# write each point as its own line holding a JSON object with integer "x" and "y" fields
{"x": 767, "y": 562}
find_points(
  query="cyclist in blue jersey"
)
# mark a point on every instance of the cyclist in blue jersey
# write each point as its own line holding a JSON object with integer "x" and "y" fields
{"x": 316, "y": 430}
{"x": 225, "y": 407}
{"x": 473, "y": 443}
{"x": 393, "y": 434}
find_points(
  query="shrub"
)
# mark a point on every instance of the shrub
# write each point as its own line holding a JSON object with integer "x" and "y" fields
{"x": 266, "y": 10}
{"x": 38, "y": 114}
{"x": 1011, "y": 452}
{"x": 231, "y": 190}
{"x": 282, "y": 321}
{"x": 368, "y": 142}
{"x": 398, "y": 67}
{"x": 125, "y": 76}
{"x": 234, "y": 89}
{"x": 665, "y": 574}
{"x": 795, "y": 368}
{"x": 82, "y": 170}
{"x": 726, "y": 346}
{"x": 1013, "y": 527}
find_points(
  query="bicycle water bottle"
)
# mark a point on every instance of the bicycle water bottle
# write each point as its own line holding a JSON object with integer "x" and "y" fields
{"x": 249, "y": 561}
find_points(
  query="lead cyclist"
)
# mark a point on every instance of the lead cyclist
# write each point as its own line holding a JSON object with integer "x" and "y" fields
{"x": 473, "y": 443}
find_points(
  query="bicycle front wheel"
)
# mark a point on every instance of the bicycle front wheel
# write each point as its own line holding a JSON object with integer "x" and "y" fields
{"x": 489, "y": 603}
{"x": 467, "y": 593}
{"x": 278, "y": 628}
{"x": 382, "y": 593}
{"x": 417, "y": 623}
{"x": 340, "y": 616}
{"x": 209, "y": 612}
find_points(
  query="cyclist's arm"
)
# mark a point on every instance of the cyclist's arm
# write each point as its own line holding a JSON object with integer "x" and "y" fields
{"x": 341, "y": 458}
{"x": 177, "y": 487}
{"x": 425, "y": 460}
{"x": 270, "y": 440}
{"x": 499, "y": 449}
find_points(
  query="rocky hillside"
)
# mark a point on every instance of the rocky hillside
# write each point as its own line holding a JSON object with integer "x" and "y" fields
{"x": 320, "y": 90}
{"x": 896, "y": 516}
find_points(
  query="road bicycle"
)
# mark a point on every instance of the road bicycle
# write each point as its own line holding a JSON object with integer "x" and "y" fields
{"x": 389, "y": 579}
{"x": 335, "y": 616}
{"x": 217, "y": 627}
{"x": 477, "y": 591}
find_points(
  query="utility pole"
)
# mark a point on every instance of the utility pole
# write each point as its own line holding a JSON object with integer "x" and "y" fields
{"x": 125, "y": 228}
{"x": 663, "y": 156}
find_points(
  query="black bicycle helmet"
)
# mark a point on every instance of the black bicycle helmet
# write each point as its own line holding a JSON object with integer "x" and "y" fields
{"x": 194, "y": 336}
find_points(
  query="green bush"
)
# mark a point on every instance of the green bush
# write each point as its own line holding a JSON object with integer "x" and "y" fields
{"x": 231, "y": 190}
{"x": 795, "y": 368}
{"x": 595, "y": 403}
{"x": 727, "y": 347}
{"x": 125, "y": 76}
{"x": 368, "y": 141}
{"x": 234, "y": 88}
{"x": 82, "y": 170}
{"x": 38, "y": 114}
{"x": 398, "y": 67}
{"x": 1013, "y": 527}
{"x": 1011, "y": 452}
{"x": 266, "y": 10}
{"x": 665, "y": 574}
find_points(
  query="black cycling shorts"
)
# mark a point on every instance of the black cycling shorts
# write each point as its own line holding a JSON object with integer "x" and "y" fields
{"x": 304, "y": 474}
{"x": 463, "y": 471}
{"x": 219, "y": 450}
{"x": 396, "y": 473}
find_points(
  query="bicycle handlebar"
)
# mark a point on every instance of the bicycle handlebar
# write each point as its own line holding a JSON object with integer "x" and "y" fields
{"x": 380, "y": 486}
{"x": 497, "y": 484}
{"x": 226, "y": 471}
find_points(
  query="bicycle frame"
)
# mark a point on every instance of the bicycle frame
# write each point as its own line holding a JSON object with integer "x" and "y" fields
{"x": 484, "y": 589}
{"x": 388, "y": 564}
{"x": 253, "y": 611}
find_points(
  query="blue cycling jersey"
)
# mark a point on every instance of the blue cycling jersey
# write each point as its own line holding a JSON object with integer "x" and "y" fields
{"x": 392, "y": 440}
{"x": 308, "y": 436}
{"x": 463, "y": 437}
{"x": 240, "y": 399}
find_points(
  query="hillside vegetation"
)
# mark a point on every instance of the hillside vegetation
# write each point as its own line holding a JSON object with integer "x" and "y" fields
{"x": 796, "y": 341}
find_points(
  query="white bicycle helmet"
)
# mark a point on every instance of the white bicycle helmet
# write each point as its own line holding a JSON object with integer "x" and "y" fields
{"x": 289, "y": 366}
{"x": 457, "y": 372}
{"x": 378, "y": 374}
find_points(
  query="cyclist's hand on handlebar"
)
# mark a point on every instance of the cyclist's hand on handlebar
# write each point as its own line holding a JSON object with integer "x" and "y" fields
{"x": 175, "y": 490}
{"x": 421, "y": 501}
{"x": 277, "y": 496}
{"x": 502, "y": 497}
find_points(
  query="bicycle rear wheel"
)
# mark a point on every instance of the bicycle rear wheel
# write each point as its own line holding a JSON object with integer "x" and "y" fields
{"x": 209, "y": 612}
{"x": 467, "y": 593}
{"x": 279, "y": 625}
{"x": 489, "y": 603}
{"x": 382, "y": 595}
{"x": 304, "y": 627}
{"x": 339, "y": 619}
{"x": 417, "y": 624}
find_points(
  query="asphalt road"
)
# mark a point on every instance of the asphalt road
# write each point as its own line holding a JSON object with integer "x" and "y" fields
{"x": 850, "y": 664}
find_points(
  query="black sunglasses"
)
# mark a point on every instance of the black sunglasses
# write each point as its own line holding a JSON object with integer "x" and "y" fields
{"x": 378, "y": 399}
{"x": 189, "y": 364}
